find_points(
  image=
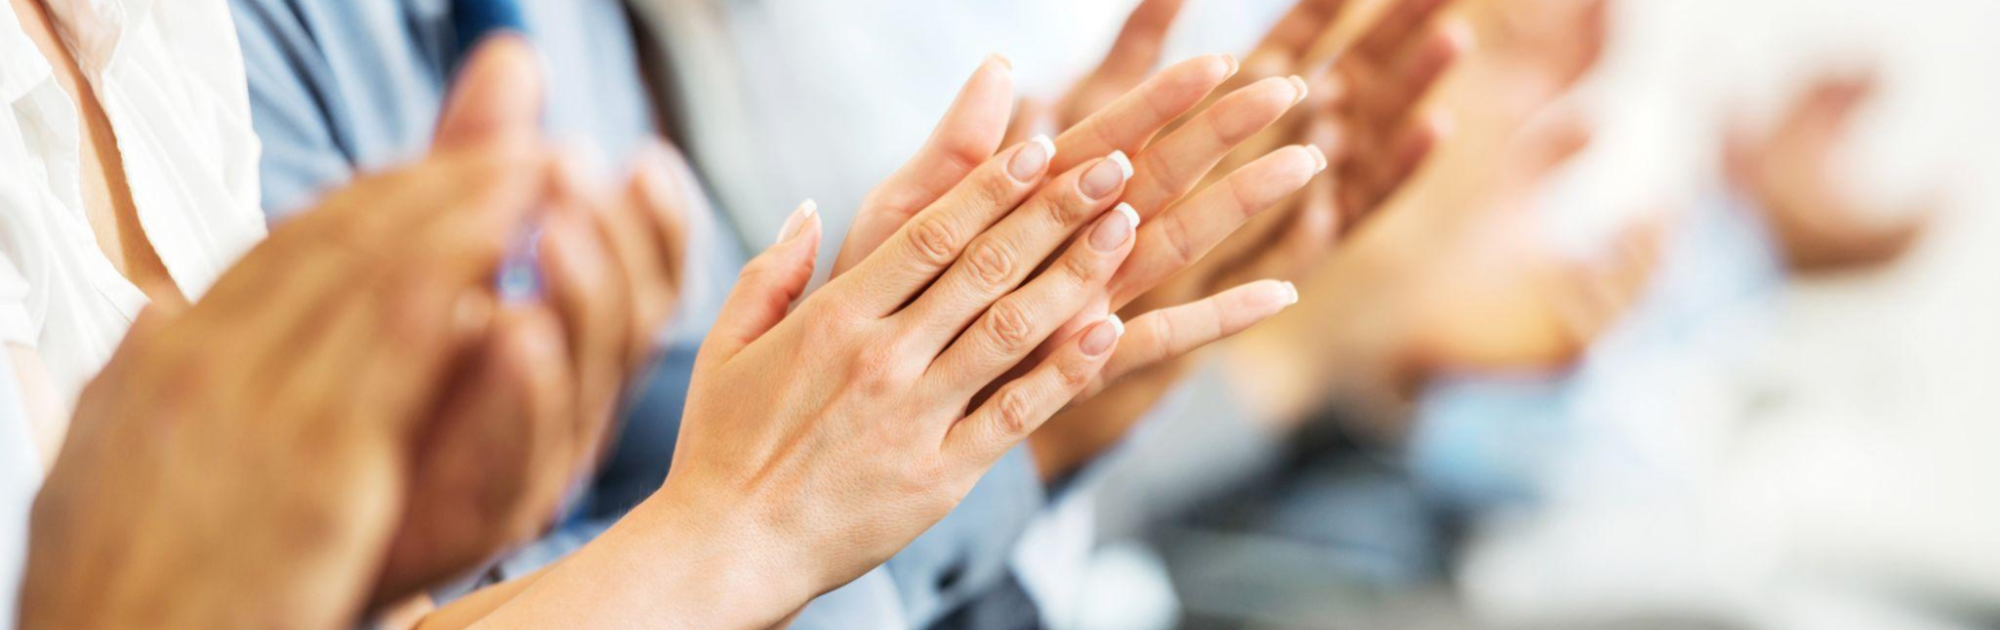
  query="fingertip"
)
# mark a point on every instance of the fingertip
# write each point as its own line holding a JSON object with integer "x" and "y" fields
{"x": 1102, "y": 337}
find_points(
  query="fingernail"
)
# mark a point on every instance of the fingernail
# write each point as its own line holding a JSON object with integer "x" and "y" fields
{"x": 1029, "y": 161}
{"x": 797, "y": 222}
{"x": 1303, "y": 89}
{"x": 1002, "y": 60}
{"x": 1292, "y": 290}
{"x": 1113, "y": 231}
{"x": 1101, "y": 337}
{"x": 1105, "y": 178}
{"x": 1319, "y": 158}
{"x": 1234, "y": 66}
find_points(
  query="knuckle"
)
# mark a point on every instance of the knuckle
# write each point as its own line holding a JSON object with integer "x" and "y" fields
{"x": 992, "y": 264}
{"x": 1079, "y": 268}
{"x": 1179, "y": 244}
{"x": 1009, "y": 326}
{"x": 1014, "y": 412}
{"x": 1074, "y": 375}
{"x": 933, "y": 243}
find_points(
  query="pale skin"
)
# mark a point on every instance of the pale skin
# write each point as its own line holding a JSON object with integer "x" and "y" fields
{"x": 114, "y": 221}
{"x": 1366, "y": 117}
{"x": 949, "y": 332}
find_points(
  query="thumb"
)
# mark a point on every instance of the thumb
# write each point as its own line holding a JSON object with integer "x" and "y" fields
{"x": 497, "y": 96}
{"x": 767, "y": 287}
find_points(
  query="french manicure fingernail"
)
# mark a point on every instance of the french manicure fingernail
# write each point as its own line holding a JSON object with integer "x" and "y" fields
{"x": 1300, "y": 84}
{"x": 1029, "y": 161}
{"x": 1319, "y": 158}
{"x": 1234, "y": 66}
{"x": 1101, "y": 337}
{"x": 1002, "y": 60}
{"x": 1291, "y": 293}
{"x": 1114, "y": 230}
{"x": 1105, "y": 178}
{"x": 797, "y": 221}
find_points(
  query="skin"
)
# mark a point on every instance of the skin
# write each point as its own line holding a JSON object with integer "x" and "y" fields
{"x": 820, "y": 440}
{"x": 1364, "y": 120}
{"x": 1462, "y": 279}
{"x": 325, "y": 348}
{"x": 518, "y": 426}
{"x": 1788, "y": 169}
{"x": 108, "y": 205}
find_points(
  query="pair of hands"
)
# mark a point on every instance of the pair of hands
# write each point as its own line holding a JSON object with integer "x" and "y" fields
{"x": 351, "y": 412}
{"x": 972, "y": 300}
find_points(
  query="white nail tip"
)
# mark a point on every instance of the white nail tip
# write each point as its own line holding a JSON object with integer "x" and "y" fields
{"x": 1291, "y": 294}
{"x": 808, "y": 208}
{"x": 1117, "y": 325}
{"x": 1048, "y": 146}
{"x": 1131, "y": 215}
{"x": 1124, "y": 163}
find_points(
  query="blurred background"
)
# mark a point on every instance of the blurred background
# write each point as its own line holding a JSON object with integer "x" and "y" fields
{"x": 1767, "y": 439}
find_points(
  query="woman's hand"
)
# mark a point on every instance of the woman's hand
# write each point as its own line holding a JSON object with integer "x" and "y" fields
{"x": 819, "y": 441}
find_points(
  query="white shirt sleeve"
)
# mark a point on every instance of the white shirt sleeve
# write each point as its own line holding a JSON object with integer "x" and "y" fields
{"x": 17, "y": 325}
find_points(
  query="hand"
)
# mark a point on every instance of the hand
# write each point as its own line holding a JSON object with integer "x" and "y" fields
{"x": 820, "y": 441}
{"x": 264, "y": 436}
{"x": 521, "y": 423}
{"x": 1789, "y": 172}
{"x": 1363, "y": 120}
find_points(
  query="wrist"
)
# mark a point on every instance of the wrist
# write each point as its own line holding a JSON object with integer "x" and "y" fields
{"x": 735, "y": 566}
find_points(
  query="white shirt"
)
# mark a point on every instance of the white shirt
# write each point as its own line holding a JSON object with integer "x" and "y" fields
{"x": 170, "y": 80}
{"x": 20, "y": 473}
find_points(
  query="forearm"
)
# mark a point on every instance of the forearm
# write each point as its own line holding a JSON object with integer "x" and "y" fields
{"x": 665, "y": 565}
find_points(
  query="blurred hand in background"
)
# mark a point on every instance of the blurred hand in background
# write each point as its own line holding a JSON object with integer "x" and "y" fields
{"x": 1788, "y": 171}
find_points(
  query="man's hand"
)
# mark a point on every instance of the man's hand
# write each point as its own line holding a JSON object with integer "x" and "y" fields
{"x": 521, "y": 423}
{"x": 1789, "y": 172}
{"x": 243, "y": 464}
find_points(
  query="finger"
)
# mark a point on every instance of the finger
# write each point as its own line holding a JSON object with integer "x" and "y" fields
{"x": 999, "y": 260}
{"x": 497, "y": 96}
{"x": 1167, "y": 334}
{"x": 933, "y": 240}
{"x": 645, "y": 227}
{"x": 1180, "y": 161}
{"x": 450, "y": 225}
{"x": 1132, "y": 56}
{"x": 1411, "y": 76}
{"x": 1301, "y": 240}
{"x": 1403, "y": 20}
{"x": 1032, "y": 117}
{"x": 1017, "y": 324}
{"x": 1829, "y": 106}
{"x": 969, "y": 133}
{"x": 1130, "y": 121}
{"x": 1180, "y": 237}
{"x": 766, "y": 288}
{"x": 592, "y": 295}
{"x": 1371, "y": 182}
{"x": 1022, "y": 405}
{"x": 1293, "y": 37}
{"x": 1137, "y": 50}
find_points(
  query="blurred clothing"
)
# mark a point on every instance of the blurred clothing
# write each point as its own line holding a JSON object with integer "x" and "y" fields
{"x": 170, "y": 80}
{"x": 20, "y": 475}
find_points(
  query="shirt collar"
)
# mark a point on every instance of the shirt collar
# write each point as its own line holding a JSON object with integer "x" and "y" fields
{"x": 21, "y": 64}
